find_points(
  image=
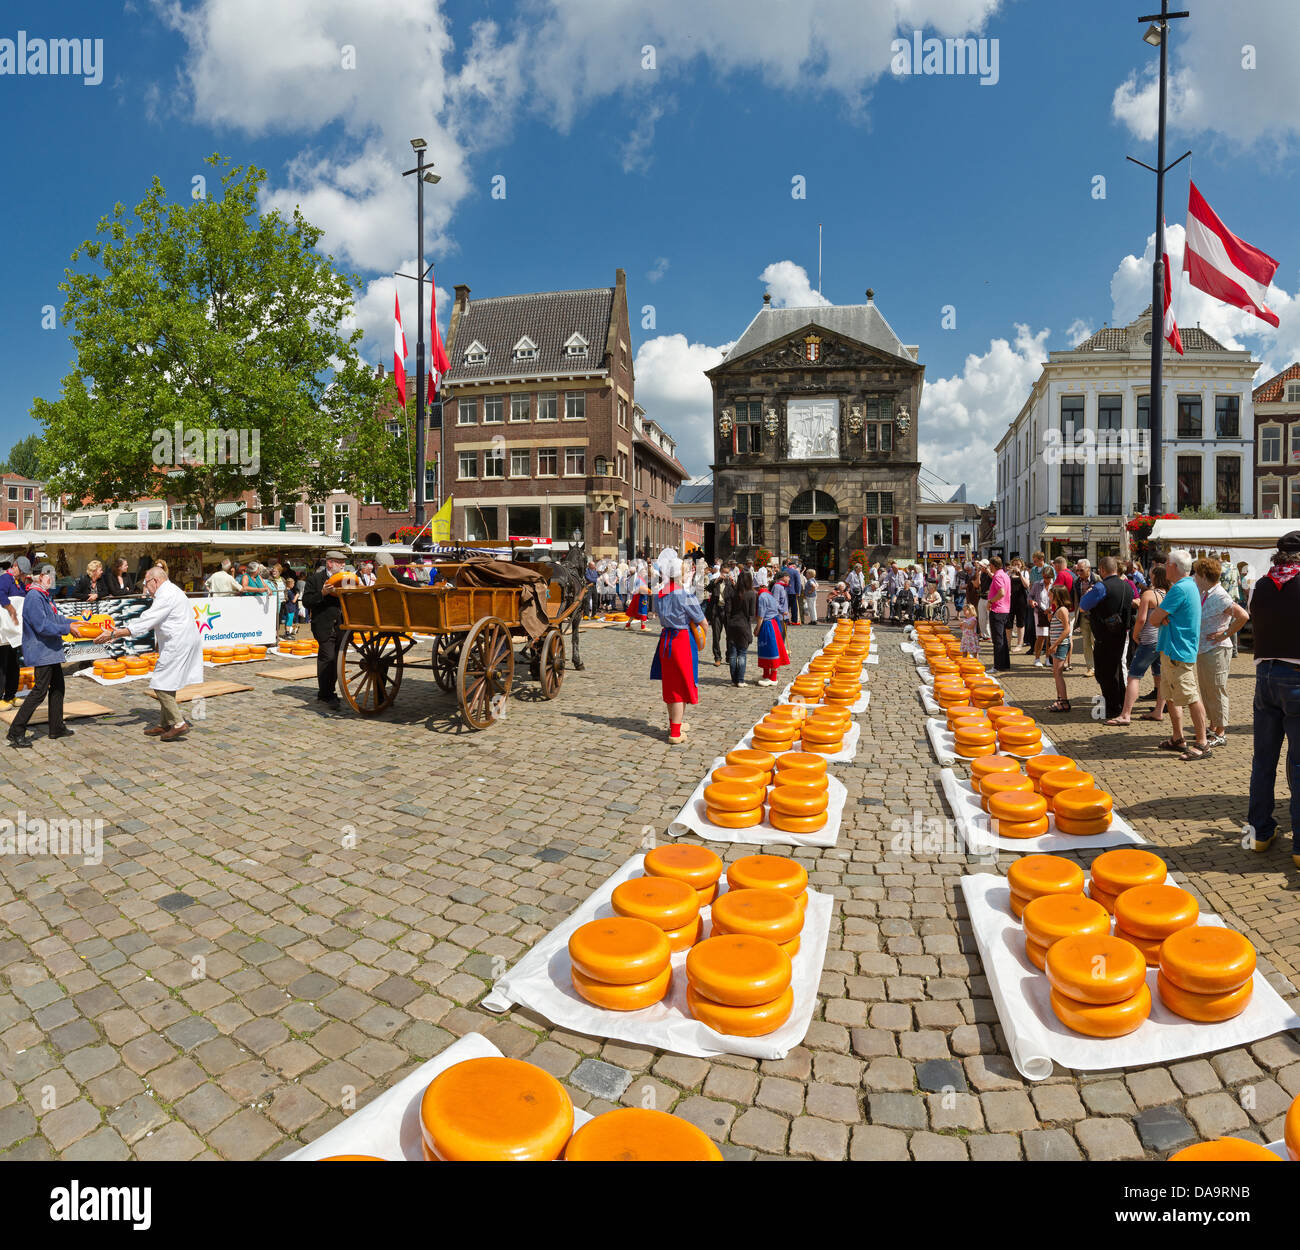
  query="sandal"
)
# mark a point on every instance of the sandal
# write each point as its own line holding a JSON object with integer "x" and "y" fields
{"x": 1196, "y": 751}
{"x": 1116, "y": 721}
{"x": 1174, "y": 744}
{"x": 1060, "y": 706}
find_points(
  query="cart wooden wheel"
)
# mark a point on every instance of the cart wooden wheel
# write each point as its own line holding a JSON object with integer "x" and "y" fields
{"x": 370, "y": 670}
{"x": 485, "y": 672}
{"x": 550, "y": 647}
{"x": 446, "y": 660}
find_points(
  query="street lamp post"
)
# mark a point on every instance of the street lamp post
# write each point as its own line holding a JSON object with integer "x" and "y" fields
{"x": 424, "y": 173}
{"x": 1157, "y": 34}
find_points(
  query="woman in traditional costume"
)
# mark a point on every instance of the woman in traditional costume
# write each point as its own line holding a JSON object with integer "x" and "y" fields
{"x": 771, "y": 645}
{"x": 677, "y": 657}
{"x": 638, "y": 607}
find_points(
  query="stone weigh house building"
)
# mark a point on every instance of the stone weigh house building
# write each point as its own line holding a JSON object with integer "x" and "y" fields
{"x": 815, "y": 437}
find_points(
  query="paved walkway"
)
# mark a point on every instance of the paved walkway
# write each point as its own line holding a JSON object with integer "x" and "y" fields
{"x": 295, "y": 909}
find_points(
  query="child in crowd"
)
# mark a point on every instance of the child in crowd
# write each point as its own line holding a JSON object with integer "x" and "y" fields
{"x": 1058, "y": 638}
{"x": 970, "y": 630}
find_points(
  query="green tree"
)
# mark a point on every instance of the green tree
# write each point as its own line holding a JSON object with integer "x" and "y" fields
{"x": 212, "y": 349}
{"x": 25, "y": 457}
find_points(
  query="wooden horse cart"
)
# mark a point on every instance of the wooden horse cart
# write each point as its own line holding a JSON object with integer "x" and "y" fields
{"x": 474, "y": 627}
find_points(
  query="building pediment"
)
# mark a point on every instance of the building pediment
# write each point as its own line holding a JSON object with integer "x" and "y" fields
{"x": 813, "y": 347}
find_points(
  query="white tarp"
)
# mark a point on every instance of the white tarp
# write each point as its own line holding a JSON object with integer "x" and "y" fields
{"x": 1036, "y": 1038}
{"x": 541, "y": 981}
{"x": 693, "y": 818}
{"x": 975, "y": 825}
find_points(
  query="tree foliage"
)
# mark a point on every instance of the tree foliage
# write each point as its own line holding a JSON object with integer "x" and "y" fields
{"x": 25, "y": 458}
{"x": 221, "y": 323}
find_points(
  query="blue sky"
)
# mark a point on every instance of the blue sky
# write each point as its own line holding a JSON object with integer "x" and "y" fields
{"x": 933, "y": 190}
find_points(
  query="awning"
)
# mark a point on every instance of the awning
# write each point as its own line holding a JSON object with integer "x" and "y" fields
{"x": 1259, "y": 532}
{"x": 1104, "y": 528}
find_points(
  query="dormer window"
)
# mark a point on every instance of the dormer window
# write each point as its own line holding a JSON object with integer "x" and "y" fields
{"x": 476, "y": 354}
{"x": 525, "y": 349}
{"x": 576, "y": 346}
{"x": 1293, "y": 392}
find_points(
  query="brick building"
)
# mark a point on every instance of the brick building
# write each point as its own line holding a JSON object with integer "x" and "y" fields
{"x": 1277, "y": 444}
{"x": 27, "y": 506}
{"x": 815, "y": 440}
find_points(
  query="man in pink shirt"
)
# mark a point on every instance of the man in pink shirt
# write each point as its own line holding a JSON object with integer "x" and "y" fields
{"x": 1000, "y": 614}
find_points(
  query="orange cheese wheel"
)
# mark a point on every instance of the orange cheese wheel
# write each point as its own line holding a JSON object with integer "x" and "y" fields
{"x": 707, "y": 894}
{"x": 664, "y": 902}
{"x": 1207, "y": 959}
{"x": 1017, "y": 906}
{"x": 973, "y": 752}
{"x": 1101, "y": 1019}
{"x": 768, "y": 872}
{"x": 1017, "y": 807}
{"x": 640, "y": 1135}
{"x": 1018, "y": 721}
{"x": 758, "y": 913}
{"x": 1005, "y": 712}
{"x": 738, "y": 970}
{"x": 623, "y": 997}
{"x": 974, "y": 735}
{"x": 730, "y": 796}
{"x": 1027, "y": 750}
{"x": 797, "y": 824}
{"x": 1155, "y": 911}
{"x": 1083, "y": 803}
{"x": 1051, "y": 784}
{"x": 1080, "y": 828}
{"x": 822, "y": 734}
{"x": 733, "y": 820}
{"x": 620, "y": 950}
{"x": 1120, "y": 869}
{"x": 801, "y": 759}
{"x": 963, "y": 709}
{"x": 1150, "y": 947}
{"x": 696, "y": 865}
{"x": 967, "y": 722}
{"x": 1046, "y": 764}
{"x": 1225, "y": 1150}
{"x": 1206, "y": 1008}
{"x": 794, "y": 800}
{"x": 787, "y": 711}
{"x": 755, "y": 1021}
{"x": 1036, "y": 953}
{"x": 985, "y": 696}
{"x": 803, "y": 778}
{"x": 1003, "y": 783}
{"x": 684, "y": 938}
{"x": 1291, "y": 1131}
{"x": 495, "y": 1109}
{"x": 1096, "y": 968}
{"x": 1032, "y": 875}
{"x": 776, "y": 741}
{"x": 791, "y": 947}
{"x": 1013, "y": 737}
{"x": 736, "y": 775}
{"x": 836, "y": 717}
{"x": 1051, "y": 917}
{"x": 991, "y": 764}
{"x": 825, "y": 748}
{"x": 1099, "y": 895}
{"x": 755, "y": 761}
{"x": 1020, "y": 828}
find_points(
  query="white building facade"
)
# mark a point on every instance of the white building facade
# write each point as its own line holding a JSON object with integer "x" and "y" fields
{"x": 1074, "y": 464}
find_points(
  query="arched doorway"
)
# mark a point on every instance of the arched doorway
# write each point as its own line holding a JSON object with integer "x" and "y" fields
{"x": 815, "y": 531}
{"x": 374, "y": 540}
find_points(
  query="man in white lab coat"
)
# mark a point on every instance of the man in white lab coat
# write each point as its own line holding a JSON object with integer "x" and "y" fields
{"x": 180, "y": 651}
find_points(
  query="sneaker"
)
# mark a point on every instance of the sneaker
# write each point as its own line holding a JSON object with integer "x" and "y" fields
{"x": 1040, "y": 662}
{"x": 1217, "y": 740}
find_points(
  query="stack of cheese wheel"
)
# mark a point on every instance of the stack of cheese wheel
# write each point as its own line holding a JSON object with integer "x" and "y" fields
{"x": 969, "y": 667}
{"x": 223, "y": 655}
{"x": 842, "y": 691}
{"x": 823, "y": 732}
{"x": 112, "y": 670}
{"x": 1051, "y": 917}
{"x": 621, "y": 964}
{"x": 966, "y": 711}
{"x": 1003, "y": 711}
{"x": 1206, "y": 973}
{"x": 1037, "y": 765}
{"x": 984, "y": 693}
{"x": 787, "y": 716}
{"x": 1084, "y": 811}
{"x": 991, "y": 784}
{"x": 1224, "y": 1150}
{"x": 152, "y": 657}
{"x": 1032, "y": 876}
{"x": 759, "y": 913}
{"x": 808, "y": 687}
{"x": 770, "y": 872}
{"x": 242, "y": 653}
{"x": 948, "y": 694}
{"x": 208, "y": 655}
{"x": 257, "y": 653}
{"x": 758, "y": 761}
{"x": 938, "y": 665}
{"x": 739, "y": 985}
{"x": 1099, "y": 985}
{"x": 136, "y": 667}
{"x": 668, "y": 904}
{"x": 697, "y": 866}
{"x": 1050, "y": 784}
{"x": 1017, "y": 813}
{"x": 26, "y": 678}
{"x": 1113, "y": 872}
{"x": 774, "y": 734}
{"x": 640, "y": 1135}
{"x": 798, "y": 800}
{"x": 968, "y": 720}
{"x": 735, "y": 802}
{"x": 1018, "y": 735}
{"x": 990, "y": 764}
{"x": 973, "y": 740}
{"x": 495, "y": 1110}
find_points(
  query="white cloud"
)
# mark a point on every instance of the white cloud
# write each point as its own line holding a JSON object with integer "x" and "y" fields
{"x": 963, "y": 417}
{"x": 672, "y": 388}
{"x": 1232, "y": 72}
{"x": 789, "y": 286}
{"x": 658, "y": 270}
{"x": 1078, "y": 331}
{"x": 637, "y": 153}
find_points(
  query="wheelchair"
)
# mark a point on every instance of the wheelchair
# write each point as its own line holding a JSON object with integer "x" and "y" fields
{"x": 903, "y": 610}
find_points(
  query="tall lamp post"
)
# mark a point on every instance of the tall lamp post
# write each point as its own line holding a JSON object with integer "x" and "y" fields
{"x": 424, "y": 173}
{"x": 1157, "y": 35}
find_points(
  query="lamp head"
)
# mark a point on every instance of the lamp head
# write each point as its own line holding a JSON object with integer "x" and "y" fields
{"x": 1154, "y": 35}
{"x": 418, "y": 145}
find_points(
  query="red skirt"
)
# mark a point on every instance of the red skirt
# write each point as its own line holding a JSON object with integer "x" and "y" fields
{"x": 675, "y": 666}
{"x": 639, "y": 607}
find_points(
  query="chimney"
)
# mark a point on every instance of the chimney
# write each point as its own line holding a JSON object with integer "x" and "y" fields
{"x": 767, "y": 299}
{"x": 458, "y": 309}
{"x": 379, "y": 369}
{"x": 462, "y": 295}
{"x": 871, "y": 295}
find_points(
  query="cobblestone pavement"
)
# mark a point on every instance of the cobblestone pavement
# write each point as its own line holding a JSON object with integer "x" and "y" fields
{"x": 294, "y": 905}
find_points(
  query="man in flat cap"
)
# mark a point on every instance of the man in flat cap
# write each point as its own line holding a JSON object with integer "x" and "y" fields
{"x": 322, "y": 601}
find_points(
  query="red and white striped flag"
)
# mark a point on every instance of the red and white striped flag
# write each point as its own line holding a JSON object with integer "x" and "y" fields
{"x": 1224, "y": 266}
{"x": 1172, "y": 337}
{"x": 440, "y": 365}
{"x": 399, "y": 352}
